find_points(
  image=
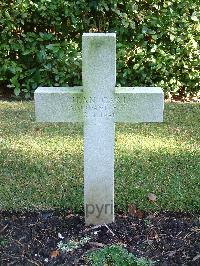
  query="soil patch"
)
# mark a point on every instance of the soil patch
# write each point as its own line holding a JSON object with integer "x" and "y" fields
{"x": 32, "y": 238}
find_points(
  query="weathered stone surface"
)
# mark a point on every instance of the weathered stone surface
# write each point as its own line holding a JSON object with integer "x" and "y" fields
{"x": 131, "y": 104}
{"x": 139, "y": 104}
{"x": 57, "y": 104}
{"x": 99, "y": 84}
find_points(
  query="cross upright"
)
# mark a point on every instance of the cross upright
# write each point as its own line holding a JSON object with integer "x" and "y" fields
{"x": 98, "y": 104}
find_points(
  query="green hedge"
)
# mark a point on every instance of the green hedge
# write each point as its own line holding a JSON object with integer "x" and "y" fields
{"x": 157, "y": 42}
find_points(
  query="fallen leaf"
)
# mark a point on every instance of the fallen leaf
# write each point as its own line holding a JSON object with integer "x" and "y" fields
{"x": 55, "y": 253}
{"x": 37, "y": 129}
{"x": 132, "y": 210}
{"x": 139, "y": 214}
{"x": 152, "y": 197}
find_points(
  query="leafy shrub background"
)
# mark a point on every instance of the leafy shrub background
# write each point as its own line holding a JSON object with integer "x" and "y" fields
{"x": 157, "y": 42}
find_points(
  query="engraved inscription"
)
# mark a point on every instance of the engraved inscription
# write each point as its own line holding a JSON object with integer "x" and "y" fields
{"x": 97, "y": 106}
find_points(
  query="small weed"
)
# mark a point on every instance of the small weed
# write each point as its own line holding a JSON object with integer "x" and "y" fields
{"x": 3, "y": 241}
{"x": 115, "y": 255}
{"x": 147, "y": 222}
{"x": 72, "y": 245}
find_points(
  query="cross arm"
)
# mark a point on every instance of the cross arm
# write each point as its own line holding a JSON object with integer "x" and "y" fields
{"x": 139, "y": 104}
{"x": 132, "y": 105}
{"x": 58, "y": 104}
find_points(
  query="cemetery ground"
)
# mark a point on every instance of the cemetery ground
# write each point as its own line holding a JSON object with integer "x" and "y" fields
{"x": 41, "y": 192}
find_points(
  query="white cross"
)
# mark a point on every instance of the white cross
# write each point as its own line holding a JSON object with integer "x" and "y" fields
{"x": 98, "y": 104}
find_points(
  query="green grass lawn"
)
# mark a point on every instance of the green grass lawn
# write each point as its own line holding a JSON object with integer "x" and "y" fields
{"x": 41, "y": 165}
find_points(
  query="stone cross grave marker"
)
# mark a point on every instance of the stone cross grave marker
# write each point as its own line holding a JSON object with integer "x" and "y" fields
{"x": 98, "y": 104}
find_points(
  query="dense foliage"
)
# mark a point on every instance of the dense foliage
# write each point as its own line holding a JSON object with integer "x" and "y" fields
{"x": 157, "y": 42}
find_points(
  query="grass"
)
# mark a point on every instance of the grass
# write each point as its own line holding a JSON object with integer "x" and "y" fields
{"x": 41, "y": 165}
